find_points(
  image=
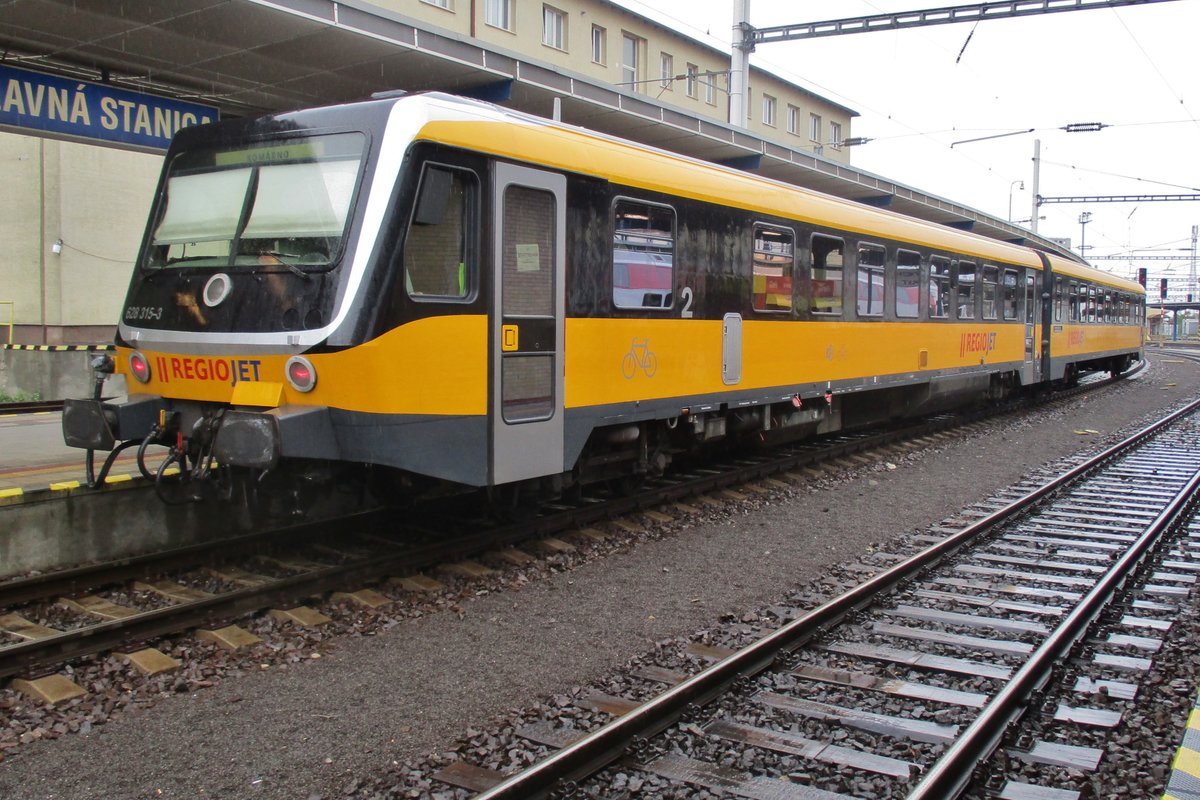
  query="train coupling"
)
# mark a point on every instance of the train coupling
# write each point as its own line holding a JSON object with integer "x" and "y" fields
{"x": 96, "y": 425}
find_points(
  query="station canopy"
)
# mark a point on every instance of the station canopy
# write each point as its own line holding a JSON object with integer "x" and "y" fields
{"x": 248, "y": 57}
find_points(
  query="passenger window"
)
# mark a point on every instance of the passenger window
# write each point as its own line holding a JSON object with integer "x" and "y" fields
{"x": 1091, "y": 304}
{"x": 991, "y": 280}
{"x": 939, "y": 287}
{"x": 1012, "y": 297}
{"x": 964, "y": 301}
{"x": 643, "y": 255}
{"x": 870, "y": 280}
{"x": 908, "y": 284}
{"x": 439, "y": 251}
{"x": 1076, "y": 306}
{"x": 828, "y": 255}
{"x": 1060, "y": 299}
{"x": 774, "y": 260}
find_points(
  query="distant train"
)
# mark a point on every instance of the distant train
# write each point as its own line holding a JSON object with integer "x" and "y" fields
{"x": 426, "y": 289}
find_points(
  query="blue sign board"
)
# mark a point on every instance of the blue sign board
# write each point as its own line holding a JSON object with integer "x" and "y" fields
{"x": 93, "y": 110}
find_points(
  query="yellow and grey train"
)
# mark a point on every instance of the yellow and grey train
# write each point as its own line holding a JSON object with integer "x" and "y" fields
{"x": 435, "y": 289}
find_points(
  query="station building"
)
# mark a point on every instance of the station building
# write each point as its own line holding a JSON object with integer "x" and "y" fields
{"x": 74, "y": 210}
{"x": 91, "y": 90}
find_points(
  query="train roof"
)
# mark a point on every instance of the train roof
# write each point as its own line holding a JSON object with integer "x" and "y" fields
{"x": 1062, "y": 266}
{"x": 475, "y": 125}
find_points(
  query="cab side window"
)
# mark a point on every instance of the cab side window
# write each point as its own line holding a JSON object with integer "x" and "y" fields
{"x": 439, "y": 252}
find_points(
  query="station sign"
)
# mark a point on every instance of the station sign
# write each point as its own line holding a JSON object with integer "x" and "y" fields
{"x": 53, "y": 105}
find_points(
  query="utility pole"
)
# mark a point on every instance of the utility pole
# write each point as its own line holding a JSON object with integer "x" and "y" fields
{"x": 1037, "y": 168}
{"x": 739, "y": 64}
{"x": 1192, "y": 288}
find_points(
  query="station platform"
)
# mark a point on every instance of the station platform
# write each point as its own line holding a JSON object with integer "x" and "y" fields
{"x": 1184, "y": 783}
{"x": 34, "y": 459}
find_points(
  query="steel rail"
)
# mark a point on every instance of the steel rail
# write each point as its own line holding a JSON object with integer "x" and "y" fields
{"x": 30, "y": 407}
{"x": 608, "y": 743}
{"x": 951, "y": 773}
{"x": 79, "y": 579}
{"x": 106, "y": 635}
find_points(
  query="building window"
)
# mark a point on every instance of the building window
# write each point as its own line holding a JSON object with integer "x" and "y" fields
{"x": 599, "y": 47}
{"x": 709, "y": 94}
{"x": 793, "y": 120}
{"x": 768, "y": 110}
{"x": 908, "y": 283}
{"x": 692, "y": 69}
{"x": 643, "y": 254}
{"x": 835, "y": 135}
{"x": 439, "y": 3}
{"x": 774, "y": 257}
{"x": 554, "y": 28}
{"x": 814, "y": 127}
{"x": 666, "y": 70}
{"x": 631, "y": 56}
{"x": 870, "y": 280}
{"x": 498, "y": 14}
{"x": 827, "y": 258}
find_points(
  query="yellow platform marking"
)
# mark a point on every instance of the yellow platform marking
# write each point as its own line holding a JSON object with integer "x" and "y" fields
{"x": 1187, "y": 761}
{"x": 64, "y": 485}
{"x": 11, "y": 492}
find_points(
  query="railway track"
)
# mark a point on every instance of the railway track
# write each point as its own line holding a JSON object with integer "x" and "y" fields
{"x": 49, "y": 619}
{"x": 1047, "y": 608}
{"x": 30, "y": 407}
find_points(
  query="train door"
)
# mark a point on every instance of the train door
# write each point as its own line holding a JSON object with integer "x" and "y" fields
{"x": 1032, "y": 372}
{"x": 529, "y": 244}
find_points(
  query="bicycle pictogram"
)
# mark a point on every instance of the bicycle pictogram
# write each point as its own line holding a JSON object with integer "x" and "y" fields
{"x": 639, "y": 355}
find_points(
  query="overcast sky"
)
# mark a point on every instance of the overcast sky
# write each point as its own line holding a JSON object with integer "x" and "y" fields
{"x": 919, "y": 91}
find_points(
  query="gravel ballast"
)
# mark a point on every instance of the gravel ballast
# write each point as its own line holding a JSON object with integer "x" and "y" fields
{"x": 305, "y": 726}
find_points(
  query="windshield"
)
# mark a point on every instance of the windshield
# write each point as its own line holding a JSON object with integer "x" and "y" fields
{"x": 282, "y": 202}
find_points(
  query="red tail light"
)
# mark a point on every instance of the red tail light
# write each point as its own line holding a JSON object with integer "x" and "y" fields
{"x": 139, "y": 367}
{"x": 301, "y": 374}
